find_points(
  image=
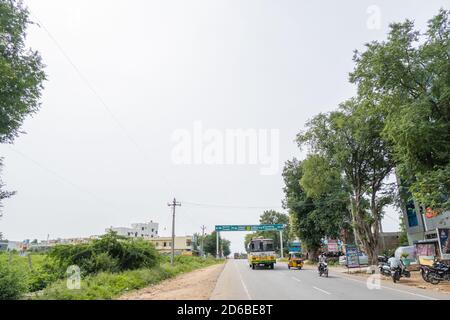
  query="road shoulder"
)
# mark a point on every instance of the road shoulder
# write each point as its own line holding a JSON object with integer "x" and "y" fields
{"x": 195, "y": 285}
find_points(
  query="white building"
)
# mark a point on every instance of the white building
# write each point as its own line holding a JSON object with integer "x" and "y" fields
{"x": 138, "y": 230}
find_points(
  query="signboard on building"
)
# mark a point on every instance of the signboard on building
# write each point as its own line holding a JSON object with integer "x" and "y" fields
{"x": 352, "y": 255}
{"x": 441, "y": 221}
{"x": 251, "y": 228}
{"x": 332, "y": 245}
{"x": 444, "y": 242}
{"x": 295, "y": 246}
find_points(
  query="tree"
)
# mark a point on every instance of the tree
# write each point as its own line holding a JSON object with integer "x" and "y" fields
{"x": 409, "y": 77}
{"x": 210, "y": 245}
{"x": 350, "y": 139}
{"x": 272, "y": 217}
{"x": 324, "y": 184}
{"x": 312, "y": 219}
{"x": 21, "y": 70}
{"x": 21, "y": 74}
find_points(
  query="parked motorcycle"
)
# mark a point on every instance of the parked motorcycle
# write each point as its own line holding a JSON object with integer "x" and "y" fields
{"x": 435, "y": 274}
{"x": 400, "y": 272}
{"x": 395, "y": 273}
{"x": 323, "y": 269}
{"x": 385, "y": 269}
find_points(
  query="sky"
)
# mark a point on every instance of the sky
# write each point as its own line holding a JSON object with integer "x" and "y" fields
{"x": 124, "y": 77}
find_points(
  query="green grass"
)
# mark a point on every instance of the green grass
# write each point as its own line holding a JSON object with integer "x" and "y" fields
{"x": 105, "y": 286}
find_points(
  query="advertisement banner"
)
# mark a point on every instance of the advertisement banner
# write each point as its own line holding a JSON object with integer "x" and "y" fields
{"x": 444, "y": 243}
{"x": 332, "y": 246}
{"x": 352, "y": 255}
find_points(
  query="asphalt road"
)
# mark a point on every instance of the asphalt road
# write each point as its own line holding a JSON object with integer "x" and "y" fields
{"x": 239, "y": 282}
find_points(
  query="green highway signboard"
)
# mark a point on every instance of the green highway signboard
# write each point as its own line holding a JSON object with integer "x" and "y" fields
{"x": 261, "y": 227}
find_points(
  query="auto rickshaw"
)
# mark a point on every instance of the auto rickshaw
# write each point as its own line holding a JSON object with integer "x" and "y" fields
{"x": 295, "y": 260}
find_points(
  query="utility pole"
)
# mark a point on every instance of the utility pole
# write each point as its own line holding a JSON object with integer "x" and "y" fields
{"x": 203, "y": 239}
{"x": 174, "y": 204}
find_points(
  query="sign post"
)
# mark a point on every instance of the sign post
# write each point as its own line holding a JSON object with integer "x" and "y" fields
{"x": 281, "y": 244}
{"x": 217, "y": 245}
{"x": 352, "y": 255}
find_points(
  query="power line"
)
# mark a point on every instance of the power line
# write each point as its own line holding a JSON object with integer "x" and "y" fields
{"x": 92, "y": 89}
{"x": 230, "y": 206}
{"x": 60, "y": 177}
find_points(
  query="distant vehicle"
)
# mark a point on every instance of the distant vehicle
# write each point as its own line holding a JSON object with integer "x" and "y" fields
{"x": 261, "y": 252}
{"x": 295, "y": 260}
{"x": 363, "y": 259}
{"x": 323, "y": 269}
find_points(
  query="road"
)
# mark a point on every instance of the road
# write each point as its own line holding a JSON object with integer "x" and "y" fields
{"x": 239, "y": 282}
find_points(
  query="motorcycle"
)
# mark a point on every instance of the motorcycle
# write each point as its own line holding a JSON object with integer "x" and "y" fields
{"x": 396, "y": 273}
{"x": 400, "y": 272}
{"x": 385, "y": 269}
{"x": 323, "y": 269}
{"x": 435, "y": 274}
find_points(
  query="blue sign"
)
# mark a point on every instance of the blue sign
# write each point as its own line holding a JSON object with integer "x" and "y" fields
{"x": 352, "y": 255}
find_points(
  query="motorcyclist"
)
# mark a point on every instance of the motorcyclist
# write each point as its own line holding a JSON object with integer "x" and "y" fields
{"x": 395, "y": 263}
{"x": 322, "y": 260}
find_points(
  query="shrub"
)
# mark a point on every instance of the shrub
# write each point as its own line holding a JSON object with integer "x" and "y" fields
{"x": 110, "y": 253}
{"x": 43, "y": 275}
{"x": 12, "y": 282}
{"x": 106, "y": 285}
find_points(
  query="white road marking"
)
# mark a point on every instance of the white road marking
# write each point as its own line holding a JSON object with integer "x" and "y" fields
{"x": 298, "y": 280}
{"x": 398, "y": 290}
{"x": 242, "y": 282}
{"x": 326, "y": 292}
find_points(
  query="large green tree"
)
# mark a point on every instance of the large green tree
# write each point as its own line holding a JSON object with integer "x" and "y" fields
{"x": 350, "y": 140}
{"x": 313, "y": 218}
{"x": 21, "y": 73}
{"x": 409, "y": 77}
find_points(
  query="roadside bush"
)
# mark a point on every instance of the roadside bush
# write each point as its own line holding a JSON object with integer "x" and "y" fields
{"x": 43, "y": 275}
{"x": 106, "y": 285}
{"x": 110, "y": 253}
{"x": 13, "y": 282}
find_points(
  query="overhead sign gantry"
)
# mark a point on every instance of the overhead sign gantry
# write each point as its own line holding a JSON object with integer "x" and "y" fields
{"x": 249, "y": 228}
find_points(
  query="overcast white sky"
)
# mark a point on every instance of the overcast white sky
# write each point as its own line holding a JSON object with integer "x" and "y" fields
{"x": 159, "y": 66}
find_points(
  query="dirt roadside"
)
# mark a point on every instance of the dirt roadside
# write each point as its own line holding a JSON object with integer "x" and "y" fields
{"x": 195, "y": 285}
{"x": 415, "y": 281}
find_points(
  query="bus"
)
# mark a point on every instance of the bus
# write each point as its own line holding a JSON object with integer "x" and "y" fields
{"x": 261, "y": 253}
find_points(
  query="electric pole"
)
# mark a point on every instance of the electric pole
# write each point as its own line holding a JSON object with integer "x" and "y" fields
{"x": 174, "y": 204}
{"x": 203, "y": 240}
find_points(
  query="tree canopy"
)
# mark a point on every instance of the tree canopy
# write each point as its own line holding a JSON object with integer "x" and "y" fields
{"x": 210, "y": 243}
{"x": 21, "y": 70}
{"x": 408, "y": 76}
{"x": 313, "y": 218}
{"x": 21, "y": 74}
